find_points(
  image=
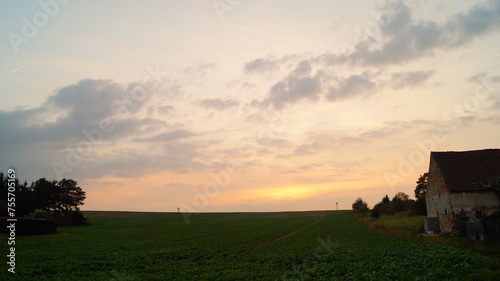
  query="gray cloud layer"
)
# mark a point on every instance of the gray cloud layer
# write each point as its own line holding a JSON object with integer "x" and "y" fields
{"x": 400, "y": 39}
{"x": 74, "y": 112}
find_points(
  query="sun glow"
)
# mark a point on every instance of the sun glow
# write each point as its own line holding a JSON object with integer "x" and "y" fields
{"x": 289, "y": 193}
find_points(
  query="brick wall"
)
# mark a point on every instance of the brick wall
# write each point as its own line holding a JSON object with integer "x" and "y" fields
{"x": 438, "y": 198}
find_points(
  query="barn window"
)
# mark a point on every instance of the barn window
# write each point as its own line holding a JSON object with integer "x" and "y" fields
{"x": 479, "y": 214}
{"x": 445, "y": 211}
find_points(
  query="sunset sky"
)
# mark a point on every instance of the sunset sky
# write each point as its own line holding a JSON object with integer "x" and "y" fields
{"x": 242, "y": 105}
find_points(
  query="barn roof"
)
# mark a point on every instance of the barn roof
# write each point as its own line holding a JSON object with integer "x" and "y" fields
{"x": 468, "y": 170}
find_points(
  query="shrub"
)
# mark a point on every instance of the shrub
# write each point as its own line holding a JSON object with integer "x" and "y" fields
{"x": 71, "y": 218}
{"x": 41, "y": 214}
{"x": 360, "y": 207}
{"x": 375, "y": 214}
{"x": 29, "y": 226}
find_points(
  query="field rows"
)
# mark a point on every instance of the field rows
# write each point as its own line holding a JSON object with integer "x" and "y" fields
{"x": 237, "y": 246}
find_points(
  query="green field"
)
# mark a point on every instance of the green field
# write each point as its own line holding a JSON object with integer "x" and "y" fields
{"x": 236, "y": 246}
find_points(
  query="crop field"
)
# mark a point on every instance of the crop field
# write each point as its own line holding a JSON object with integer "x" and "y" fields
{"x": 236, "y": 246}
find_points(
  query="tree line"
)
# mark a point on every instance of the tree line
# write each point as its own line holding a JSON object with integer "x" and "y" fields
{"x": 401, "y": 202}
{"x": 60, "y": 198}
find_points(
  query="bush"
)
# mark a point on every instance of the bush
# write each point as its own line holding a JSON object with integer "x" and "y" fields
{"x": 375, "y": 214}
{"x": 29, "y": 226}
{"x": 421, "y": 206}
{"x": 80, "y": 218}
{"x": 493, "y": 216}
{"x": 74, "y": 218}
{"x": 360, "y": 207}
{"x": 41, "y": 214}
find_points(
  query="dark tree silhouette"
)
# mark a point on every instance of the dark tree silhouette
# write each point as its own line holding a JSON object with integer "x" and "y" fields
{"x": 46, "y": 194}
{"x": 421, "y": 188}
{"x": 359, "y": 206}
{"x": 61, "y": 197}
{"x": 420, "y": 192}
{"x": 70, "y": 196}
{"x": 400, "y": 202}
{"x": 384, "y": 206}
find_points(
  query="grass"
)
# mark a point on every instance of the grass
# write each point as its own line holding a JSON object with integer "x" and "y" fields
{"x": 399, "y": 224}
{"x": 236, "y": 246}
{"x": 411, "y": 227}
{"x": 403, "y": 222}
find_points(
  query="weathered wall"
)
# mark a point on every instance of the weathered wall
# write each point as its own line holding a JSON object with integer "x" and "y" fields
{"x": 468, "y": 203}
{"x": 438, "y": 198}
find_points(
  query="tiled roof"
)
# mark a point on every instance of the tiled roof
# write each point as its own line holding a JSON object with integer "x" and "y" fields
{"x": 468, "y": 170}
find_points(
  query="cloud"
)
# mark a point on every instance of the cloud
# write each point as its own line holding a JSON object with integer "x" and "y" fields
{"x": 298, "y": 85}
{"x": 270, "y": 64}
{"x": 355, "y": 85}
{"x": 478, "y": 20}
{"x": 181, "y": 157}
{"x": 173, "y": 184}
{"x": 177, "y": 157}
{"x": 218, "y": 104}
{"x": 166, "y": 109}
{"x": 409, "y": 79}
{"x": 168, "y": 136}
{"x": 319, "y": 141}
{"x": 404, "y": 38}
{"x": 399, "y": 38}
{"x": 67, "y": 112}
{"x": 73, "y": 115}
{"x": 200, "y": 70}
{"x": 241, "y": 85}
{"x": 260, "y": 65}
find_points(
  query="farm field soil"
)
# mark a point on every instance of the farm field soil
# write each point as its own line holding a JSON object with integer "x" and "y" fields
{"x": 330, "y": 245}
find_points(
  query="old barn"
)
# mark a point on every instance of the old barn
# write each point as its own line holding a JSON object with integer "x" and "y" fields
{"x": 458, "y": 188}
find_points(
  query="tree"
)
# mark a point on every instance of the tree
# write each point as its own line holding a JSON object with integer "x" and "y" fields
{"x": 384, "y": 207}
{"x": 61, "y": 197}
{"x": 70, "y": 196}
{"x": 493, "y": 183}
{"x": 24, "y": 204}
{"x": 400, "y": 202}
{"x": 3, "y": 194}
{"x": 46, "y": 194}
{"x": 401, "y": 196}
{"x": 359, "y": 206}
{"x": 421, "y": 188}
{"x": 420, "y": 192}
{"x": 375, "y": 213}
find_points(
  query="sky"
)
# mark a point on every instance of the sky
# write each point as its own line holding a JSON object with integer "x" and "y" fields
{"x": 235, "y": 105}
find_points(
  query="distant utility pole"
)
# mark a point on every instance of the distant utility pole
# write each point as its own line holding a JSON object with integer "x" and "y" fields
{"x": 337, "y": 205}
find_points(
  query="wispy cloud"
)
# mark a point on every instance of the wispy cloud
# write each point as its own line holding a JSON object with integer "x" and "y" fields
{"x": 218, "y": 104}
